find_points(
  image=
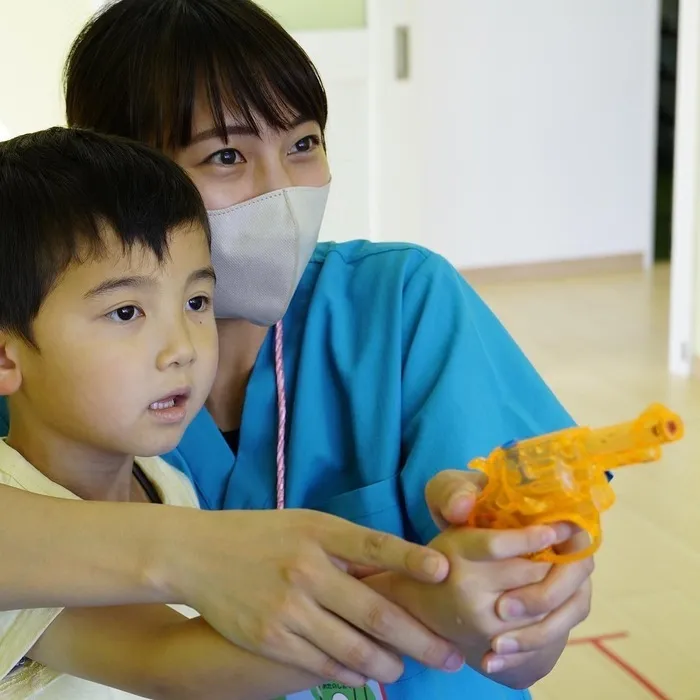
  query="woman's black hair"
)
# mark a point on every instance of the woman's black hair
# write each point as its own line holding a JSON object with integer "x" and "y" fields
{"x": 138, "y": 66}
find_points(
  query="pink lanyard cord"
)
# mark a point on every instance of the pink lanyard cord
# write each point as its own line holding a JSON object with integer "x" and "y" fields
{"x": 281, "y": 413}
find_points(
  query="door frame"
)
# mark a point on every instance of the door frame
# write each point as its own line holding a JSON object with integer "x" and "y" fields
{"x": 685, "y": 225}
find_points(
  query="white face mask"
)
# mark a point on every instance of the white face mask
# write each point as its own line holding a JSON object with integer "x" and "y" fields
{"x": 260, "y": 249}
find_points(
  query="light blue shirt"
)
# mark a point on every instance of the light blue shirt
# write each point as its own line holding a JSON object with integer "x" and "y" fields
{"x": 395, "y": 370}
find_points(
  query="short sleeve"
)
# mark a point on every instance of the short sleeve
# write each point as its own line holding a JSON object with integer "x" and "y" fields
{"x": 19, "y": 632}
{"x": 467, "y": 386}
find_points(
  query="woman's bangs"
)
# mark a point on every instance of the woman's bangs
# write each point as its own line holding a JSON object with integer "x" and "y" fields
{"x": 249, "y": 83}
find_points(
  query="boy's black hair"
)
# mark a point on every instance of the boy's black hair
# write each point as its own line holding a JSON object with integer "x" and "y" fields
{"x": 59, "y": 189}
{"x": 136, "y": 68}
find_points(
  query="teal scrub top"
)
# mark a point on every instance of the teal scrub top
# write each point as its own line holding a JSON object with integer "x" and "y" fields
{"x": 395, "y": 370}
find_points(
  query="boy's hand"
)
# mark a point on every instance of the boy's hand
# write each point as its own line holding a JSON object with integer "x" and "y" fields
{"x": 483, "y": 564}
{"x": 546, "y": 610}
{"x": 451, "y": 494}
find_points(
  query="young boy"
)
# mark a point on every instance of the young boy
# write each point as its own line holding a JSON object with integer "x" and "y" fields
{"x": 108, "y": 349}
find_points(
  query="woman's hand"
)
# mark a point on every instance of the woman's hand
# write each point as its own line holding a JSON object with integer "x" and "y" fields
{"x": 277, "y": 584}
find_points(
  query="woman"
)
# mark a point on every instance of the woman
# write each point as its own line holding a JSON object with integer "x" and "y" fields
{"x": 350, "y": 375}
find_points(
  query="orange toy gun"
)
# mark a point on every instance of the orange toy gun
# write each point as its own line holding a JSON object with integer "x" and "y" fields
{"x": 562, "y": 476}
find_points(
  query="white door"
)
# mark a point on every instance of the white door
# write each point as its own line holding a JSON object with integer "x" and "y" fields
{"x": 524, "y": 131}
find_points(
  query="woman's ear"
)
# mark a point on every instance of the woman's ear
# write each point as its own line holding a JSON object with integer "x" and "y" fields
{"x": 10, "y": 373}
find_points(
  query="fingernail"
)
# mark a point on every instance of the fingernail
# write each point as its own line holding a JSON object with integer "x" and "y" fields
{"x": 548, "y": 537}
{"x": 454, "y": 663}
{"x": 506, "y": 645}
{"x": 494, "y": 665}
{"x": 432, "y": 565}
{"x": 512, "y": 610}
{"x": 451, "y": 506}
{"x": 352, "y": 679}
{"x": 562, "y": 532}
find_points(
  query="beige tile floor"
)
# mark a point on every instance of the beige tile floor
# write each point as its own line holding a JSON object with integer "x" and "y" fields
{"x": 600, "y": 342}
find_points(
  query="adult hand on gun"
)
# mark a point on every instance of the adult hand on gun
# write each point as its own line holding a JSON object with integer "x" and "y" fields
{"x": 542, "y": 613}
{"x": 286, "y": 593}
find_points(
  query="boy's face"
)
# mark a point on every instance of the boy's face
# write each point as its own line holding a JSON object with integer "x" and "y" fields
{"x": 127, "y": 349}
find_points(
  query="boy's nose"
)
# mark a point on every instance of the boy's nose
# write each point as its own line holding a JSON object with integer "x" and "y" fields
{"x": 179, "y": 350}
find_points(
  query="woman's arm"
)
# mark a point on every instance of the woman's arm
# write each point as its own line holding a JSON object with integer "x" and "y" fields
{"x": 64, "y": 553}
{"x": 274, "y": 583}
{"x": 153, "y": 651}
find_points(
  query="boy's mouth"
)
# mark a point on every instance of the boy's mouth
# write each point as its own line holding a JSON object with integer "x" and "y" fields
{"x": 171, "y": 408}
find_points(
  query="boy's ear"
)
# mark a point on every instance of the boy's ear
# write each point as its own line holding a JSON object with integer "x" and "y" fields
{"x": 10, "y": 373}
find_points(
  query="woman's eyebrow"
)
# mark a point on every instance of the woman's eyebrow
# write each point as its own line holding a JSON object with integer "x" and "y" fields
{"x": 231, "y": 130}
{"x": 238, "y": 130}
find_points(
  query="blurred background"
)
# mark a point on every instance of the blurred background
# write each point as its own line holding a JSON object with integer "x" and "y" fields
{"x": 549, "y": 149}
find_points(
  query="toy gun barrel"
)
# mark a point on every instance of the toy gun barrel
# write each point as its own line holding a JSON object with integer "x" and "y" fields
{"x": 636, "y": 441}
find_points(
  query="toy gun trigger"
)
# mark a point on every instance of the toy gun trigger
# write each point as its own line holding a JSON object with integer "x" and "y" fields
{"x": 591, "y": 527}
{"x": 479, "y": 463}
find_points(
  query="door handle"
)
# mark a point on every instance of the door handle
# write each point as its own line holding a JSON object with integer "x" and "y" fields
{"x": 403, "y": 49}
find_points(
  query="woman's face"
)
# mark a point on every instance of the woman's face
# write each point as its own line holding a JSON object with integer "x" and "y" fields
{"x": 250, "y": 165}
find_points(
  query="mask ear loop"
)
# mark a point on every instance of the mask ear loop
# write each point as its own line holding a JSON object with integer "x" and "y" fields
{"x": 281, "y": 413}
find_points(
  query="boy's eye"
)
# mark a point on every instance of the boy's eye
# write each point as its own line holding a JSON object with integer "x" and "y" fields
{"x": 200, "y": 303}
{"x": 125, "y": 313}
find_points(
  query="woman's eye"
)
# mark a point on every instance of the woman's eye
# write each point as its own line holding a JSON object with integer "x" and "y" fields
{"x": 308, "y": 143}
{"x": 226, "y": 156}
{"x": 200, "y": 303}
{"x": 125, "y": 314}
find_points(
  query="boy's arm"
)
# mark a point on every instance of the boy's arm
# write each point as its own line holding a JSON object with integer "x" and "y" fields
{"x": 153, "y": 651}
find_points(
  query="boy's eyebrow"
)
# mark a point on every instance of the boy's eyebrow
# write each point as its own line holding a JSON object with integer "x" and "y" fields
{"x": 237, "y": 130}
{"x": 135, "y": 281}
{"x": 115, "y": 283}
{"x": 204, "y": 274}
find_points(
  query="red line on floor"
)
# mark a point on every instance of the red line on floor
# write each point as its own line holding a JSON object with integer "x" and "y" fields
{"x": 599, "y": 638}
{"x": 599, "y": 643}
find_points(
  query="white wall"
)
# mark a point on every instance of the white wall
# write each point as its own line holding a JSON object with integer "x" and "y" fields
{"x": 533, "y": 128}
{"x": 528, "y": 137}
{"x": 34, "y": 39}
